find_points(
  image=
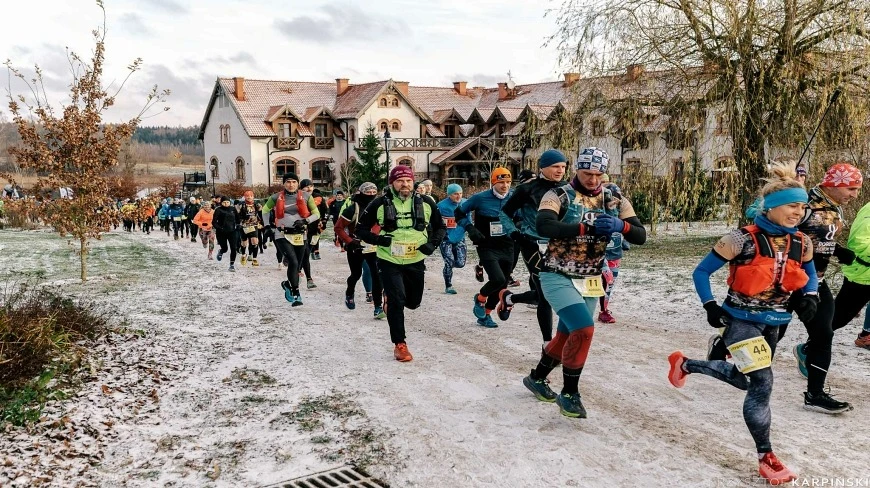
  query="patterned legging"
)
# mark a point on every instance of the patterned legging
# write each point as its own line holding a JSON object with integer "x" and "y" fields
{"x": 454, "y": 257}
{"x": 207, "y": 238}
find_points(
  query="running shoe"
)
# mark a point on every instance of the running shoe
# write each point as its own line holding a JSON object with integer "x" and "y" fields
{"x": 571, "y": 406}
{"x": 297, "y": 299}
{"x": 244, "y": 260}
{"x": 254, "y": 262}
{"x": 401, "y": 353}
{"x": 220, "y": 255}
{"x": 369, "y": 297}
{"x": 716, "y": 350}
{"x": 479, "y": 307}
{"x": 824, "y": 403}
{"x": 379, "y": 313}
{"x": 316, "y": 256}
{"x": 801, "y": 355}
{"x": 232, "y": 268}
{"x": 348, "y": 301}
{"x": 676, "y": 375}
{"x": 288, "y": 292}
{"x": 863, "y": 341}
{"x": 540, "y": 388}
{"x": 503, "y": 309}
{"x": 773, "y": 470}
{"x": 310, "y": 284}
{"x": 512, "y": 283}
{"x": 450, "y": 290}
{"x": 478, "y": 273}
{"x": 487, "y": 322}
{"x": 605, "y": 317}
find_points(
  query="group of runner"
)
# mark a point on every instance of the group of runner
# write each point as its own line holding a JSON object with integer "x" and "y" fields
{"x": 571, "y": 233}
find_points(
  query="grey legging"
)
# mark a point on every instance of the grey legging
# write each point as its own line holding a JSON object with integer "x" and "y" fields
{"x": 757, "y": 384}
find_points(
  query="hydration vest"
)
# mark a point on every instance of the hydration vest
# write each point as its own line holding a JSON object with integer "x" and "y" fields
{"x": 391, "y": 216}
{"x": 759, "y": 274}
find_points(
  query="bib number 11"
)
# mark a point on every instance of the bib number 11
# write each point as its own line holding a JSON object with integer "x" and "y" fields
{"x": 590, "y": 286}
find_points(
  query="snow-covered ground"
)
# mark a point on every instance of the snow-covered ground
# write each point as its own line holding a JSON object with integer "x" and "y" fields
{"x": 219, "y": 382}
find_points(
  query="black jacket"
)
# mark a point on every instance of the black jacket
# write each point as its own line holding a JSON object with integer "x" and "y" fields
{"x": 224, "y": 219}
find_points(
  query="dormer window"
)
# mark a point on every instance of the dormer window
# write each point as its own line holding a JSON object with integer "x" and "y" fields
{"x": 395, "y": 102}
{"x": 382, "y": 102}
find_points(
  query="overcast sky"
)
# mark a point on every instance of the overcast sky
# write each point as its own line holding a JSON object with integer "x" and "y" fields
{"x": 186, "y": 44}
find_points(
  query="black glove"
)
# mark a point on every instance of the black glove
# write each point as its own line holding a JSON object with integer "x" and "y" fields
{"x": 299, "y": 224}
{"x": 384, "y": 240}
{"x": 805, "y": 307}
{"x": 844, "y": 255}
{"x": 427, "y": 248}
{"x": 475, "y": 235}
{"x": 353, "y": 245}
{"x": 715, "y": 314}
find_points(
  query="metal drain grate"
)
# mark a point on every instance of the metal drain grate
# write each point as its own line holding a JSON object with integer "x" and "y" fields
{"x": 343, "y": 477}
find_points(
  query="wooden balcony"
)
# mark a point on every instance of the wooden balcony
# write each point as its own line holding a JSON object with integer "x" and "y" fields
{"x": 322, "y": 142}
{"x": 446, "y": 143}
{"x": 287, "y": 143}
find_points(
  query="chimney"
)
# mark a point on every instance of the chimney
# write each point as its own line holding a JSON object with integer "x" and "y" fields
{"x": 633, "y": 71}
{"x": 571, "y": 78}
{"x": 502, "y": 91}
{"x": 340, "y": 86}
{"x": 402, "y": 86}
{"x": 240, "y": 88}
{"x": 459, "y": 86}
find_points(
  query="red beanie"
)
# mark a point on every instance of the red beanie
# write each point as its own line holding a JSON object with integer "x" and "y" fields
{"x": 843, "y": 175}
{"x": 401, "y": 171}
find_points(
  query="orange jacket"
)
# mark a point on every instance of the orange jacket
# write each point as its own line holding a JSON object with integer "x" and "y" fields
{"x": 203, "y": 219}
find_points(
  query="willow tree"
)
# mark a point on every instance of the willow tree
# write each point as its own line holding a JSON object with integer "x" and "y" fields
{"x": 72, "y": 148}
{"x": 774, "y": 63}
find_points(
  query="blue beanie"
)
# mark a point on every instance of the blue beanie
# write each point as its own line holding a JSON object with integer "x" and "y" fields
{"x": 551, "y": 157}
{"x": 453, "y": 188}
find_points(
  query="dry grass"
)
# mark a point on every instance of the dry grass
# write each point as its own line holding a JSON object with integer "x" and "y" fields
{"x": 147, "y": 175}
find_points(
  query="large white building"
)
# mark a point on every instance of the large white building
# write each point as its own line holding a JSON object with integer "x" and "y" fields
{"x": 254, "y": 131}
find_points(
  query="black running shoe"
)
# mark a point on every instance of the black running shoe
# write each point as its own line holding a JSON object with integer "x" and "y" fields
{"x": 571, "y": 406}
{"x": 478, "y": 273}
{"x": 824, "y": 403}
{"x": 540, "y": 388}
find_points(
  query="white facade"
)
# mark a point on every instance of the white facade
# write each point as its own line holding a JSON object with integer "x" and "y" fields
{"x": 226, "y": 154}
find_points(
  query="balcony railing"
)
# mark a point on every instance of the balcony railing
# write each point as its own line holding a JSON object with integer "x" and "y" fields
{"x": 322, "y": 142}
{"x": 444, "y": 143}
{"x": 287, "y": 143}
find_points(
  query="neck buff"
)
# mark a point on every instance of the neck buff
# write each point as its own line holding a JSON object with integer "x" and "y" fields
{"x": 498, "y": 195}
{"x": 773, "y": 229}
{"x": 575, "y": 183}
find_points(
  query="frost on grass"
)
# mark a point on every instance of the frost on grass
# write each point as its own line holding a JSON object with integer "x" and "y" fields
{"x": 341, "y": 431}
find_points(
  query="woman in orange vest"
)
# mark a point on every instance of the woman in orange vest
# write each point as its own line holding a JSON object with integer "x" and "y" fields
{"x": 203, "y": 219}
{"x": 768, "y": 261}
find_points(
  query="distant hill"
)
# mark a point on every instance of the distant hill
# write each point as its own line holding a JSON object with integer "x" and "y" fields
{"x": 184, "y": 138}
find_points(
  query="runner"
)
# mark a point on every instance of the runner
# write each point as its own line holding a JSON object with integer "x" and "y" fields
{"x": 128, "y": 214}
{"x": 294, "y": 210}
{"x": 824, "y": 223}
{"x": 410, "y": 229}
{"x": 224, "y": 221}
{"x": 495, "y": 247}
{"x": 251, "y": 221}
{"x": 357, "y": 255}
{"x": 526, "y": 199}
{"x": 768, "y": 261}
{"x": 453, "y": 248}
{"x": 203, "y": 221}
{"x": 176, "y": 216}
{"x": 190, "y": 212}
{"x": 163, "y": 216}
{"x": 574, "y": 220}
{"x": 855, "y": 292}
{"x": 613, "y": 258}
{"x": 335, "y": 206}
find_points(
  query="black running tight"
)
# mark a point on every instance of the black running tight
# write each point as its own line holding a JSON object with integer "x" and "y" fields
{"x": 294, "y": 256}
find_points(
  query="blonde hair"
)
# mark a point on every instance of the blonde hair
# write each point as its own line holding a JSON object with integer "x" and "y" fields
{"x": 782, "y": 176}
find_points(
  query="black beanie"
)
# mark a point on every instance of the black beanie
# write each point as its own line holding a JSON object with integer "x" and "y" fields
{"x": 289, "y": 176}
{"x": 305, "y": 182}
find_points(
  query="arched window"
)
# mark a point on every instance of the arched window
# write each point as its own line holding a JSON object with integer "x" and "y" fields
{"x": 384, "y": 126}
{"x": 320, "y": 173}
{"x": 395, "y": 125}
{"x": 225, "y": 134}
{"x": 284, "y": 166}
{"x": 382, "y": 102}
{"x": 395, "y": 102}
{"x": 240, "y": 169}
{"x": 407, "y": 162}
{"x": 351, "y": 134}
{"x": 213, "y": 166}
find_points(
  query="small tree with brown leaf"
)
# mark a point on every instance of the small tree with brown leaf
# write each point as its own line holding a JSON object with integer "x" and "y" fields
{"x": 73, "y": 148}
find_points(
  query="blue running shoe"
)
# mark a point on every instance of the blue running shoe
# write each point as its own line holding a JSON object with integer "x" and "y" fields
{"x": 801, "y": 356}
{"x": 571, "y": 406}
{"x": 540, "y": 388}
{"x": 379, "y": 313}
{"x": 487, "y": 322}
{"x": 450, "y": 290}
{"x": 288, "y": 293}
{"x": 220, "y": 255}
{"x": 297, "y": 299}
{"x": 479, "y": 310}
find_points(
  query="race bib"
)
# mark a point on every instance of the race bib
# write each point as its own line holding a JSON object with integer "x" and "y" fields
{"x": 177, "y": 219}
{"x": 297, "y": 239}
{"x": 751, "y": 355}
{"x": 590, "y": 286}
{"x": 496, "y": 229}
{"x": 249, "y": 230}
{"x": 315, "y": 239}
{"x": 369, "y": 248}
{"x": 403, "y": 249}
{"x": 184, "y": 217}
{"x": 450, "y": 222}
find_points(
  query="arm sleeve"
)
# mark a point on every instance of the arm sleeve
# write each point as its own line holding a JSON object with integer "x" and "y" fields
{"x": 701, "y": 276}
{"x": 439, "y": 230}
{"x": 812, "y": 286}
{"x": 270, "y": 204}
{"x": 315, "y": 212}
{"x": 367, "y": 219}
{"x": 341, "y": 230}
{"x": 549, "y": 225}
{"x": 636, "y": 233}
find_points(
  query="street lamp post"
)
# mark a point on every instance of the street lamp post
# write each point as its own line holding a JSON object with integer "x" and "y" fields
{"x": 212, "y": 167}
{"x": 387, "y": 145}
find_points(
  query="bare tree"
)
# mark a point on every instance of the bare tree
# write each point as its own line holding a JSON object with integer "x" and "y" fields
{"x": 73, "y": 148}
{"x": 772, "y": 65}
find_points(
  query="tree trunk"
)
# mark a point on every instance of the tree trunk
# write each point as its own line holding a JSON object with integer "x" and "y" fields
{"x": 83, "y": 256}
{"x": 750, "y": 158}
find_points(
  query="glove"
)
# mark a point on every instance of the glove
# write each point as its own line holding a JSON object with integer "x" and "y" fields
{"x": 384, "y": 241}
{"x": 608, "y": 224}
{"x": 715, "y": 314}
{"x": 299, "y": 224}
{"x": 805, "y": 307}
{"x": 844, "y": 255}
{"x": 475, "y": 235}
{"x": 427, "y": 248}
{"x": 353, "y": 245}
